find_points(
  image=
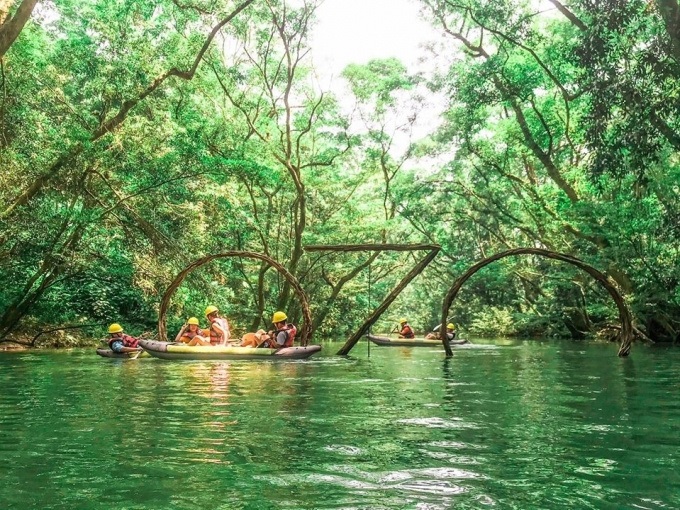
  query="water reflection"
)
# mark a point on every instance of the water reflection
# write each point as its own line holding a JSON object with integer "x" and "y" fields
{"x": 525, "y": 426}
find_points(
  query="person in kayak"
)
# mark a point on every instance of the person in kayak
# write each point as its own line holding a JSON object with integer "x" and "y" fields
{"x": 450, "y": 332}
{"x": 283, "y": 335}
{"x": 219, "y": 326}
{"x": 406, "y": 330}
{"x": 191, "y": 334}
{"x": 120, "y": 342}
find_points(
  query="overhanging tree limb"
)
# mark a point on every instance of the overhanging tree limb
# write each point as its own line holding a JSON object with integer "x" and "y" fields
{"x": 363, "y": 329}
{"x": 506, "y": 92}
{"x": 670, "y": 12}
{"x": 569, "y": 15}
{"x": 306, "y": 328}
{"x": 626, "y": 335}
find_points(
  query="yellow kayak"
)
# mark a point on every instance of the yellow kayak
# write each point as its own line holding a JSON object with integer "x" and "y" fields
{"x": 171, "y": 350}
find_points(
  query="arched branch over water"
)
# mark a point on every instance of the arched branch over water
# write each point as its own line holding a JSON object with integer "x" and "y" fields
{"x": 305, "y": 329}
{"x": 626, "y": 333}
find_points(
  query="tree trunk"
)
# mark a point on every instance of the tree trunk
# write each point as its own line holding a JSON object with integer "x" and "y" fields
{"x": 255, "y": 325}
{"x": 52, "y": 267}
{"x": 296, "y": 255}
{"x": 10, "y": 28}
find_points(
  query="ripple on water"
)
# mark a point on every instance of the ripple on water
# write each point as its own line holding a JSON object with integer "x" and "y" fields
{"x": 344, "y": 450}
{"x": 455, "y": 445}
{"x": 340, "y": 481}
{"x": 597, "y": 467}
{"x": 438, "y": 487}
{"x": 408, "y": 483}
{"x": 448, "y": 473}
{"x": 452, "y": 459}
{"x": 436, "y": 422}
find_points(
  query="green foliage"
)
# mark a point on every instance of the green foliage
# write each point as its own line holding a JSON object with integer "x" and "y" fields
{"x": 378, "y": 80}
{"x": 493, "y": 322}
{"x": 558, "y": 132}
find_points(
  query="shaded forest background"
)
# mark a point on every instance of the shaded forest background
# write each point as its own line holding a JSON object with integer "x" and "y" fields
{"x": 138, "y": 136}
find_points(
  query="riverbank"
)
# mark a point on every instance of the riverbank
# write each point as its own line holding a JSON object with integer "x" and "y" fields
{"x": 52, "y": 338}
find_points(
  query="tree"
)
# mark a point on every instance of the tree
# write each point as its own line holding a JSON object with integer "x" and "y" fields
{"x": 588, "y": 133}
{"x": 282, "y": 107}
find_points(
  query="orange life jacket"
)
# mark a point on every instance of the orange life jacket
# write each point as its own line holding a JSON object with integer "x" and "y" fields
{"x": 217, "y": 338}
{"x": 290, "y": 331}
{"x": 407, "y": 332}
{"x": 128, "y": 341}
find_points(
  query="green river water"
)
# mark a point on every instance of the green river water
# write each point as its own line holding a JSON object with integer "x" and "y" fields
{"x": 507, "y": 424}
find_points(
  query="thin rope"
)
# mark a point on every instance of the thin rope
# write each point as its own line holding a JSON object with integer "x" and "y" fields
{"x": 368, "y": 340}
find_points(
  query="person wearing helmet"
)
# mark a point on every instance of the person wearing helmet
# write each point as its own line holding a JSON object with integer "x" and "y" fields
{"x": 219, "y": 326}
{"x": 450, "y": 332}
{"x": 120, "y": 342}
{"x": 283, "y": 335}
{"x": 191, "y": 334}
{"x": 405, "y": 331}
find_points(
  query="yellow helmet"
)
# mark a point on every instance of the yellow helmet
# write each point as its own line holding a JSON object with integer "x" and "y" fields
{"x": 115, "y": 328}
{"x": 401, "y": 321}
{"x": 450, "y": 325}
{"x": 279, "y": 317}
{"x": 211, "y": 309}
{"x": 193, "y": 320}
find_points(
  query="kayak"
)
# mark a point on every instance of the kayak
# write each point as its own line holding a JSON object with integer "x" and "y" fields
{"x": 412, "y": 342}
{"x": 108, "y": 353}
{"x": 171, "y": 350}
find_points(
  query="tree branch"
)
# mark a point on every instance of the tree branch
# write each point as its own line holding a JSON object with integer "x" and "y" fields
{"x": 12, "y": 27}
{"x": 569, "y": 15}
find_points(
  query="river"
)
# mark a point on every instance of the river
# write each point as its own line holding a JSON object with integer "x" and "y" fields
{"x": 504, "y": 424}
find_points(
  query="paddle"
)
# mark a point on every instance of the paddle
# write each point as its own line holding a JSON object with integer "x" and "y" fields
{"x": 140, "y": 351}
{"x": 136, "y": 355}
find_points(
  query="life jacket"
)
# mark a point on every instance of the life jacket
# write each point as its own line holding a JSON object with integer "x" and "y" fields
{"x": 407, "y": 332}
{"x": 191, "y": 334}
{"x": 128, "y": 341}
{"x": 215, "y": 337}
{"x": 290, "y": 331}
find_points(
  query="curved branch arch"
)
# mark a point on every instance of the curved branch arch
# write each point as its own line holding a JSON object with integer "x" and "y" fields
{"x": 305, "y": 330}
{"x": 626, "y": 334}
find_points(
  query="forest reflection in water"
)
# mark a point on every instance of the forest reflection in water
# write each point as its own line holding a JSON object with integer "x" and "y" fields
{"x": 532, "y": 424}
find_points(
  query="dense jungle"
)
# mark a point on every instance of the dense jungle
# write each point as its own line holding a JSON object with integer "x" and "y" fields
{"x": 137, "y": 137}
